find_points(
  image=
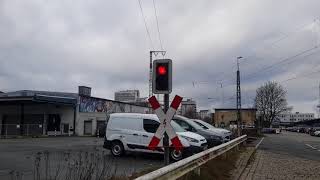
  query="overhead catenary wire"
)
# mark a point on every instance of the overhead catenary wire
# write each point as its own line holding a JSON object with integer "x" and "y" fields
{"x": 145, "y": 24}
{"x": 285, "y": 36}
{"x": 156, "y": 16}
{"x": 301, "y": 76}
{"x": 288, "y": 59}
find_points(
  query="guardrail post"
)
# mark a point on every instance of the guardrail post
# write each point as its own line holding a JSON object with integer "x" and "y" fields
{"x": 244, "y": 143}
{"x": 224, "y": 156}
{"x": 197, "y": 171}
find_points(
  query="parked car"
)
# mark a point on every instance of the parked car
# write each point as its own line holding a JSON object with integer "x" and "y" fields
{"x": 133, "y": 132}
{"x": 268, "y": 130}
{"x": 317, "y": 133}
{"x": 189, "y": 125}
{"x": 313, "y": 130}
{"x": 225, "y": 134}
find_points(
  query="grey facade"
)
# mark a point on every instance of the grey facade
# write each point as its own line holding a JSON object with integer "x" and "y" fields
{"x": 34, "y": 113}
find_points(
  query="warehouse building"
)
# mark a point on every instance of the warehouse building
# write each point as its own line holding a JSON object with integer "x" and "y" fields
{"x": 226, "y": 117}
{"x": 34, "y": 113}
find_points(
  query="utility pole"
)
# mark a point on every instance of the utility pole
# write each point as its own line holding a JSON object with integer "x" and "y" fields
{"x": 319, "y": 103}
{"x": 222, "y": 93}
{"x": 150, "y": 70}
{"x": 238, "y": 99}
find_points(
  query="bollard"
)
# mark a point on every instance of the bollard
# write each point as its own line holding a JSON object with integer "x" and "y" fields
{"x": 6, "y": 131}
{"x": 27, "y": 129}
{"x": 55, "y": 132}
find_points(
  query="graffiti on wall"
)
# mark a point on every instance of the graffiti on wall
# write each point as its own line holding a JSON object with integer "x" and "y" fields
{"x": 89, "y": 104}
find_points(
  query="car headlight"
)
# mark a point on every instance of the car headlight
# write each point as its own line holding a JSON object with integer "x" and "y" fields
{"x": 190, "y": 139}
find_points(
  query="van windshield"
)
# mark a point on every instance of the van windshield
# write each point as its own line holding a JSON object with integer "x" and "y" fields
{"x": 177, "y": 127}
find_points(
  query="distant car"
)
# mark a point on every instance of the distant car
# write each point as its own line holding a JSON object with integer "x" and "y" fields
{"x": 313, "y": 130}
{"x": 134, "y": 131}
{"x": 317, "y": 133}
{"x": 225, "y": 134}
{"x": 268, "y": 131}
{"x": 212, "y": 138}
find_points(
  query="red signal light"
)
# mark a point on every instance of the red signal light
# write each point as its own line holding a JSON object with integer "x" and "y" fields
{"x": 162, "y": 70}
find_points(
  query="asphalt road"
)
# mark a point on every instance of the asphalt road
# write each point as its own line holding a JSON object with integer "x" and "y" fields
{"x": 295, "y": 144}
{"x": 20, "y": 155}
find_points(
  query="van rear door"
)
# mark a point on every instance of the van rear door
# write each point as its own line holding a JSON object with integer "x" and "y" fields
{"x": 129, "y": 129}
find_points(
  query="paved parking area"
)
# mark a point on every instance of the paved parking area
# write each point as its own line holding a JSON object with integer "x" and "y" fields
{"x": 285, "y": 156}
{"x": 20, "y": 154}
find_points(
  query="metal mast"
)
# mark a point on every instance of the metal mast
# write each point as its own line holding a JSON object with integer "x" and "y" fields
{"x": 319, "y": 103}
{"x": 238, "y": 99}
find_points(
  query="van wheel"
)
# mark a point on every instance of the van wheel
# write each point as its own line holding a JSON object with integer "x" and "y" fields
{"x": 117, "y": 148}
{"x": 176, "y": 155}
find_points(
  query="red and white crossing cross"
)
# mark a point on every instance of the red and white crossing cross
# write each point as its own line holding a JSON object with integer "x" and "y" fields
{"x": 165, "y": 125}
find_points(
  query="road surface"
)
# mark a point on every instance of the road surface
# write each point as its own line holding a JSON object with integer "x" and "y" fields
{"x": 287, "y": 155}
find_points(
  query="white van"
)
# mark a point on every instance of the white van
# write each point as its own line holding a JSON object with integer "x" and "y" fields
{"x": 133, "y": 132}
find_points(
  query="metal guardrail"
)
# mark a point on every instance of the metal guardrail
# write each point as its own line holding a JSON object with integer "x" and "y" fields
{"x": 182, "y": 167}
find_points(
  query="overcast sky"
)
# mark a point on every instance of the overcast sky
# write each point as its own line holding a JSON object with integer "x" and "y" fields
{"x": 59, "y": 45}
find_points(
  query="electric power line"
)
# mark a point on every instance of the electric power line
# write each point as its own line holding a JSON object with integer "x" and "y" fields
{"x": 145, "y": 24}
{"x": 285, "y": 36}
{"x": 155, "y": 13}
{"x": 302, "y": 75}
{"x": 288, "y": 59}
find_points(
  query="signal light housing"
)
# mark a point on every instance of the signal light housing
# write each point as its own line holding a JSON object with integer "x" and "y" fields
{"x": 162, "y": 76}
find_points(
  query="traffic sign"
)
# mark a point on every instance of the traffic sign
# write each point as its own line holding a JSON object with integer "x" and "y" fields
{"x": 165, "y": 125}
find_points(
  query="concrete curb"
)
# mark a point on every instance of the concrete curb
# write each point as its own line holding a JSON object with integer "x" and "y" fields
{"x": 250, "y": 157}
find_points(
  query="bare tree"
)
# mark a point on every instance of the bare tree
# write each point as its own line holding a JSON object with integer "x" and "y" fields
{"x": 270, "y": 101}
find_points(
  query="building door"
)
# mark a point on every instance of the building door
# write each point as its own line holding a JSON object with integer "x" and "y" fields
{"x": 53, "y": 122}
{"x": 88, "y": 127}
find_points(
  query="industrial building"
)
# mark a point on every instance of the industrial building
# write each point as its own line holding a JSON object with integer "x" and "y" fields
{"x": 188, "y": 108}
{"x": 227, "y": 117}
{"x": 34, "y": 113}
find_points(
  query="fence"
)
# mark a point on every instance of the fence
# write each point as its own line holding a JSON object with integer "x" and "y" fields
{"x": 180, "y": 168}
{"x": 8, "y": 130}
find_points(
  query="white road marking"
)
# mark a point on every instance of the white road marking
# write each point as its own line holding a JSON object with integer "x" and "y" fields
{"x": 259, "y": 143}
{"x": 310, "y": 146}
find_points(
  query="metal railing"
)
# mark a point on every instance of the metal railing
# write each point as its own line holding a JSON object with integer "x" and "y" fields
{"x": 7, "y": 130}
{"x": 180, "y": 168}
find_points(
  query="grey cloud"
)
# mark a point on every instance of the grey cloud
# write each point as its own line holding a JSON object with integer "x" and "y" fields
{"x": 58, "y": 45}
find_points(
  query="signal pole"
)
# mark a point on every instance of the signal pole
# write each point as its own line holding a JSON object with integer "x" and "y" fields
{"x": 166, "y": 137}
{"x": 150, "y": 70}
{"x": 238, "y": 99}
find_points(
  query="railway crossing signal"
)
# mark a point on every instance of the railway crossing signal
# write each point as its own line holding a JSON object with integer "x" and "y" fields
{"x": 165, "y": 125}
{"x": 162, "y": 76}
